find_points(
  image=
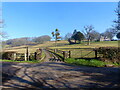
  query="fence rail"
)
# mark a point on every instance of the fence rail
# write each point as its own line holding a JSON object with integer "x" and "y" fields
{"x": 76, "y": 53}
{"x": 61, "y": 53}
{"x": 23, "y": 56}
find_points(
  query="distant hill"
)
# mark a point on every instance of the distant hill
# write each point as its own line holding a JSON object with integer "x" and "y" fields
{"x": 27, "y": 41}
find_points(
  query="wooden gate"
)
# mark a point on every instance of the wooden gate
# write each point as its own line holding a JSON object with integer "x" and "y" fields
{"x": 83, "y": 53}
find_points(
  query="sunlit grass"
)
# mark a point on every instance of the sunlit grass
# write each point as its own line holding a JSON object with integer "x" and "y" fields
{"x": 33, "y": 61}
{"x": 92, "y": 62}
{"x": 92, "y": 45}
{"x": 32, "y": 49}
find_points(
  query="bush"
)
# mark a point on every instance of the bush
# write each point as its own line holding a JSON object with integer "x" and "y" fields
{"x": 0, "y": 55}
{"x": 110, "y": 53}
{"x": 8, "y": 55}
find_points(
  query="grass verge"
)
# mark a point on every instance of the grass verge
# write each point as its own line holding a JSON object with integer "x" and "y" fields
{"x": 92, "y": 62}
{"x": 33, "y": 61}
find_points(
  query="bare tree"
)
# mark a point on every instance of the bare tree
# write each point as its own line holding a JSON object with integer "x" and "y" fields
{"x": 87, "y": 32}
{"x": 67, "y": 36}
{"x": 94, "y": 35}
{"x": 2, "y": 33}
{"x": 110, "y": 33}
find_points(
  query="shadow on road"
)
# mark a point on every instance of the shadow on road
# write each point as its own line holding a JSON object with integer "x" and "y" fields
{"x": 40, "y": 78}
{"x": 8, "y": 71}
{"x": 54, "y": 59}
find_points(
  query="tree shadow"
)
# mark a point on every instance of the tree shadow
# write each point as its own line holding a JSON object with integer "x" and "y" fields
{"x": 54, "y": 59}
{"x": 87, "y": 58}
{"x": 40, "y": 79}
{"x": 8, "y": 71}
{"x": 34, "y": 83}
{"x": 107, "y": 75}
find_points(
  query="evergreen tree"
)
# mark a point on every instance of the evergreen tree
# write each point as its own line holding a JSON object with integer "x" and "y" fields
{"x": 77, "y": 36}
{"x": 74, "y": 35}
{"x": 117, "y": 26}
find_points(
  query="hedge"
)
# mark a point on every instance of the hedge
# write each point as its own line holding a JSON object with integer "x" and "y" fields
{"x": 110, "y": 53}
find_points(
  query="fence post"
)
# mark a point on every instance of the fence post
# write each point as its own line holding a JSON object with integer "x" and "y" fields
{"x": 55, "y": 51}
{"x": 27, "y": 53}
{"x": 25, "y": 57}
{"x": 63, "y": 55}
{"x": 95, "y": 53}
{"x": 29, "y": 56}
{"x": 14, "y": 56}
{"x": 35, "y": 54}
{"x": 69, "y": 54}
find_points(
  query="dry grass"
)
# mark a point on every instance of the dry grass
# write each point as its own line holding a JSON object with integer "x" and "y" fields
{"x": 22, "y": 49}
{"x": 61, "y": 45}
{"x": 92, "y": 45}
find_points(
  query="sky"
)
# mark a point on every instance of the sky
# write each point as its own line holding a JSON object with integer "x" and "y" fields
{"x": 33, "y": 19}
{"x": 59, "y": 0}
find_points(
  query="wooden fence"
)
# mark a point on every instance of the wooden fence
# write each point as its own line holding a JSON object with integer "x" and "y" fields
{"x": 63, "y": 54}
{"x": 23, "y": 56}
{"x": 84, "y": 53}
{"x": 76, "y": 53}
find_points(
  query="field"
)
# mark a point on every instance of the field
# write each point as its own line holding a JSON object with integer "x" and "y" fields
{"x": 77, "y": 50}
{"x": 85, "y": 51}
{"x": 81, "y": 54}
{"x": 93, "y": 45}
{"x": 32, "y": 49}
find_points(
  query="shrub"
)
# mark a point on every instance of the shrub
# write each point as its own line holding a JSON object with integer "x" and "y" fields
{"x": 8, "y": 55}
{"x": 110, "y": 53}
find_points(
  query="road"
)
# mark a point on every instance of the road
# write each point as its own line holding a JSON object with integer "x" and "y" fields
{"x": 54, "y": 73}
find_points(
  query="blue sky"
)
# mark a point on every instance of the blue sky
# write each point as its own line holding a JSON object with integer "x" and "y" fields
{"x": 32, "y": 19}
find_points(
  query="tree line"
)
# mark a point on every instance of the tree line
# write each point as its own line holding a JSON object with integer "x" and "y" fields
{"x": 90, "y": 34}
